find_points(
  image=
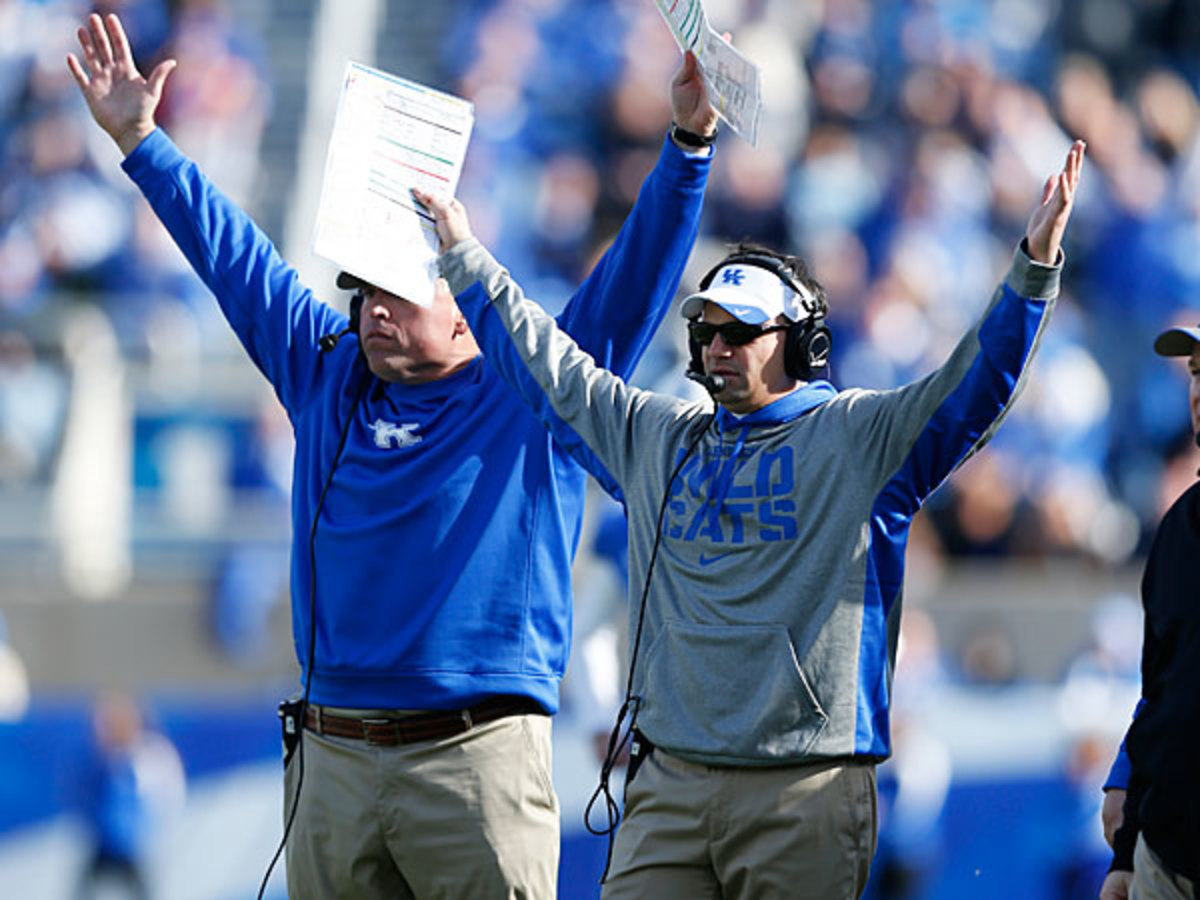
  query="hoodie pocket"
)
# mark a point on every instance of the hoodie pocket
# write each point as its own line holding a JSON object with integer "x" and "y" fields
{"x": 730, "y": 693}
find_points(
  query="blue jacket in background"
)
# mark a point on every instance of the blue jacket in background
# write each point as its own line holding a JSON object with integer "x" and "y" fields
{"x": 444, "y": 545}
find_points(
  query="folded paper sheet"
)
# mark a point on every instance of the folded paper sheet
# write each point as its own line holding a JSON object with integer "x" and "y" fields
{"x": 389, "y": 136}
{"x": 733, "y": 81}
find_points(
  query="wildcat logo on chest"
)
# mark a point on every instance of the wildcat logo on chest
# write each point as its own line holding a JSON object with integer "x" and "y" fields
{"x": 389, "y": 435}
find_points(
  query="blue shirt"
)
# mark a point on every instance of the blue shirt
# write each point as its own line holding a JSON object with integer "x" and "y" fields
{"x": 444, "y": 544}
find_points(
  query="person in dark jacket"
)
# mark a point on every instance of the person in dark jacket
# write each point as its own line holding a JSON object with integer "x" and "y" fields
{"x": 1156, "y": 848}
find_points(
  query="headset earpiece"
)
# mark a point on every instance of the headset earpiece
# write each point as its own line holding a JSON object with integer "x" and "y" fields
{"x": 328, "y": 341}
{"x": 695, "y": 357}
{"x": 356, "y": 305}
{"x": 807, "y": 347}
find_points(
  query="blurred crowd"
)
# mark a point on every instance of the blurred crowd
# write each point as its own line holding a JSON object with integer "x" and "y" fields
{"x": 72, "y": 228}
{"x": 901, "y": 149}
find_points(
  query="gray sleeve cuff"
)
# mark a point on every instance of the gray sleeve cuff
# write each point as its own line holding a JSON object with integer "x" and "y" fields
{"x": 1029, "y": 278}
{"x": 466, "y": 263}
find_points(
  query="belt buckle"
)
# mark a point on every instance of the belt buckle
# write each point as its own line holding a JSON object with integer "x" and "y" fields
{"x": 468, "y": 722}
{"x": 391, "y": 738}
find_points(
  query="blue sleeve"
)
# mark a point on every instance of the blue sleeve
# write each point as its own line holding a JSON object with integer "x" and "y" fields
{"x": 615, "y": 312}
{"x": 1118, "y": 775}
{"x": 275, "y": 317}
{"x": 498, "y": 351}
{"x": 973, "y": 410}
{"x": 938, "y": 422}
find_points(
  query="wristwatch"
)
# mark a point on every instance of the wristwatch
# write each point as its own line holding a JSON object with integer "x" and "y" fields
{"x": 691, "y": 139}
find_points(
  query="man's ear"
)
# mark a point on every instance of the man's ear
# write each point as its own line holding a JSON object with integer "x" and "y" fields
{"x": 460, "y": 323}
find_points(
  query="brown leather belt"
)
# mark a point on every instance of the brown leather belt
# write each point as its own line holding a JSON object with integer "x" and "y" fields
{"x": 425, "y": 726}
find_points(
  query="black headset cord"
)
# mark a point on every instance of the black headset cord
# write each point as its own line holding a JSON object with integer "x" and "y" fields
{"x": 629, "y": 707}
{"x": 312, "y": 635}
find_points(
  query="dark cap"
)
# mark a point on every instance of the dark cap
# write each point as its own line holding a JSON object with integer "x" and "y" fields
{"x": 1177, "y": 341}
{"x": 349, "y": 282}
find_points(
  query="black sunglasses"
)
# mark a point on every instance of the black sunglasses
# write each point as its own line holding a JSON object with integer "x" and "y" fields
{"x": 735, "y": 334}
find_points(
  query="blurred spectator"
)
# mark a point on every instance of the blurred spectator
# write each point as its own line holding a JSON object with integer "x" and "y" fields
{"x": 1081, "y": 857}
{"x": 1101, "y": 678}
{"x": 66, "y": 222}
{"x": 252, "y": 577}
{"x": 33, "y": 398}
{"x": 216, "y": 103}
{"x": 912, "y": 794}
{"x": 987, "y": 657}
{"x": 913, "y": 784}
{"x": 597, "y": 670}
{"x": 134, "y": 783}
{"x": 14, "y": 680}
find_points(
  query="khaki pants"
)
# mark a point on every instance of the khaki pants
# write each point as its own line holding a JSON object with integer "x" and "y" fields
{"x": 1154, "y": 881}
{"x": 701, "y": 831}
{"x": 474, "y": 815}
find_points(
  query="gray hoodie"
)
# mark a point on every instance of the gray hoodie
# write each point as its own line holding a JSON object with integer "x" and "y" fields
{"x": 770, "y": 628}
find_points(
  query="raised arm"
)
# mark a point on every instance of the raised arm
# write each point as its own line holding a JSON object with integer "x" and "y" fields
{"x": 274, "y": 316}
{"x": 1048, "y": 223}
{"x": 121, "y": 101}
{"x": 558, "y": 380}
{"x": 933, "y": 425}
{"x": 615, "y": 312}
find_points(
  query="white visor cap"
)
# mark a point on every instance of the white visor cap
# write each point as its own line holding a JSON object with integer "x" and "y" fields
{"x": 749, "y": 293}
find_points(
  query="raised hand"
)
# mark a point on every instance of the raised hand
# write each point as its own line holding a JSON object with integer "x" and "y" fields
{"x": 1048, "y": 222}
{"x": 121, "y": 101}
{"x": 689, "y": 99}
{"x": 449, "y": 215}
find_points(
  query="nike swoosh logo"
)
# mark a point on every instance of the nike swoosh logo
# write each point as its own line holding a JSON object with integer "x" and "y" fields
{"x": 706, "y": 560}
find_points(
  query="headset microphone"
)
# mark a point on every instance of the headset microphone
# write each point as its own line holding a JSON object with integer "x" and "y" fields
{"x": 714, "y": 384}
{"x": 328, "y": 341}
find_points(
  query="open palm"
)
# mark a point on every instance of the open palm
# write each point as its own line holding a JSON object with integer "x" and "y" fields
{"x": 1049, "y": 221}
{"x": 121, "y": 101}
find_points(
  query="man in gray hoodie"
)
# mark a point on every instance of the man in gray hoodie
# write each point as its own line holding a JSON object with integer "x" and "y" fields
{"x": 766, "y": 550}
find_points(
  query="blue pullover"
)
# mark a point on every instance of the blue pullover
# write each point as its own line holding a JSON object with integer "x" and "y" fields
{"x": 445, "y": 541}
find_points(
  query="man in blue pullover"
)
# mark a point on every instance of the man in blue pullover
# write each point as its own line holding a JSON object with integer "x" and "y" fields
{"x": 434, "y": 521}
{"x": 766, "y": 551}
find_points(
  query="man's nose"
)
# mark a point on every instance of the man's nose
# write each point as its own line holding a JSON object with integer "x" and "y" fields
{"x": 718, "y": 347}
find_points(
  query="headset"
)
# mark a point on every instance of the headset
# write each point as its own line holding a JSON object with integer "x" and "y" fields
{"x": 807, "y": 343}
{"x": 328, "y": 341}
